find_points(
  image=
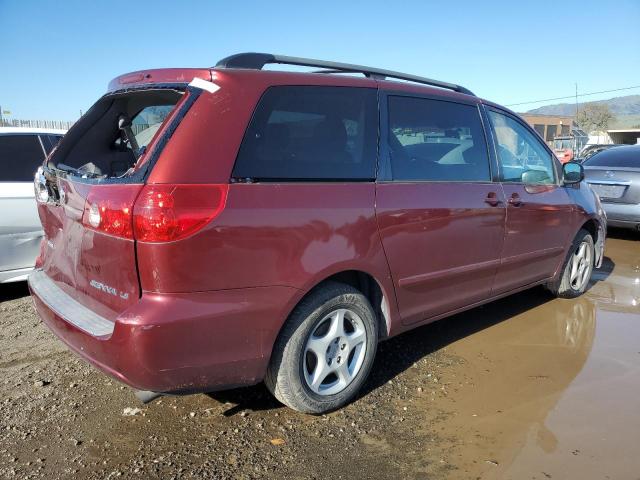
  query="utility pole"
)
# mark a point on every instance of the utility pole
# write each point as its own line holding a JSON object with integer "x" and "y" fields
{"x": 576, "y": 102}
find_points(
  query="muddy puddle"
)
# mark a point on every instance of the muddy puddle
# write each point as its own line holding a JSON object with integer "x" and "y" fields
{"x": 554, "y": 390}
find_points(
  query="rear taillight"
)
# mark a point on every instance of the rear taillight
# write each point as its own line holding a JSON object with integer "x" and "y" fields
{"x": 152, "y": 213}
{"x": 164, "y": 213}
{"x": 40, "y": 186}
{"x": 109, "y": 209}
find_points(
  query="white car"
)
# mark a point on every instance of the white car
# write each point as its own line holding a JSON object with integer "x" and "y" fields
{"x": 22, "y": 151}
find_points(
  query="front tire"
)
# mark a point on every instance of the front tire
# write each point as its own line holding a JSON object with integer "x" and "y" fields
{"x": 325, "y": 351}
{"x": 577, "y": 268}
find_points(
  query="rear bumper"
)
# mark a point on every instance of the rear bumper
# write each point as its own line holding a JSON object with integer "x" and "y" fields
{"x": 623, "y": 224}
{"x": 173, "y": 343}
{"x": 622, "y": 214}
{"x": 18, "y": 275}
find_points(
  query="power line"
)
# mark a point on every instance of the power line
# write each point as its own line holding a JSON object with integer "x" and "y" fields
{"x": 572, "y": 96}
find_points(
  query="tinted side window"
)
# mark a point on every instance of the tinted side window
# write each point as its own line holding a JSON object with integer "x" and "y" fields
{"x": 522, "y": 157}
{"x": 299, "y": 133}
{"x": 436, "y": 140}
{"x": 20, "y": 157}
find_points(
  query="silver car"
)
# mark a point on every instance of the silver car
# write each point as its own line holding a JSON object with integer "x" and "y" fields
{"x": 22, "y": 151}
{"x": 614, "y": 174}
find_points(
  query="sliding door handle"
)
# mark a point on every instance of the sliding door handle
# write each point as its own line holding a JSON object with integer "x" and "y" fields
{"x": 492, "y": 199}
{"x": 515, "y": 200}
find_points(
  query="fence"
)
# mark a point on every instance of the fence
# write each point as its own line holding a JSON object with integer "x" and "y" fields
{"x": 58, "y": 124}
{"x": 14, "y": 122}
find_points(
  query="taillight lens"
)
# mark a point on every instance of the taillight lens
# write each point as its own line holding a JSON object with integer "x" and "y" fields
{"x": 152, "y": 213}
{"x": 164, "y": 213}
{"x": 40, "y": 186}
{"x": 109, "y": 209}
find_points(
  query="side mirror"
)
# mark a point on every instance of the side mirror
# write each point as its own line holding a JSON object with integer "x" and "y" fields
{"x": 572, "y": 172}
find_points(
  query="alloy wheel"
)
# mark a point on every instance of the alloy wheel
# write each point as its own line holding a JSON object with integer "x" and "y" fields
{"x": 580, "y": 266}
{"x": 334, "y": 352}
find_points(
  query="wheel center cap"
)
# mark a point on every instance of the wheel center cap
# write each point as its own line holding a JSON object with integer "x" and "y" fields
{"x": 333, "y": 350}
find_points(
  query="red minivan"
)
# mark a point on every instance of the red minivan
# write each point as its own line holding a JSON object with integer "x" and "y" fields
{"x": 217, "y": 227}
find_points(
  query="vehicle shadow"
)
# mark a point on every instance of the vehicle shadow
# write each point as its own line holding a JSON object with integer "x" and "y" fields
{"x": 13, "y": 291}
{"x": 253, "y": 398}
{"x": 623, "y": 234}
{"x": 400, "y": 353}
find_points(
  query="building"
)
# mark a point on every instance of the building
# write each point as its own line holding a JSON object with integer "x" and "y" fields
{"x": 549, "y": 126}
{"x": 560, "y": 133}
{"x": 630, "y": 136}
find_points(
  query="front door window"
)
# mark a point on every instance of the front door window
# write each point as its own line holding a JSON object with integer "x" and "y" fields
{"x": 522, "y": 157}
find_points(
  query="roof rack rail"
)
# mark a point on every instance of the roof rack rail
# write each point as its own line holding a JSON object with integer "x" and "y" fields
{"x": 256, "y": 61}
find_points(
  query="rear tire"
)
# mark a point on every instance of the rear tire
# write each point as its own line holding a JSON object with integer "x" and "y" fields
{"x": 576, "y": 271}
{"x": 325, "y": 351}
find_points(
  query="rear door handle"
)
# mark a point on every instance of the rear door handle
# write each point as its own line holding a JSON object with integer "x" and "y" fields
{"x": 515, "y": 200}
{"x": 492, "y": 199}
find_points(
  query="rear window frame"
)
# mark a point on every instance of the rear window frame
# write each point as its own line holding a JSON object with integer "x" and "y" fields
{"x": 141, "y": 173}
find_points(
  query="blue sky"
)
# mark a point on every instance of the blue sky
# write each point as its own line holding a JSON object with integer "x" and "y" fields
{"x": 56, "y": 57}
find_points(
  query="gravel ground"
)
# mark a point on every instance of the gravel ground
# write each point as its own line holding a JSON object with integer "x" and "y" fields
{"x": 61, "y": 418}
{"x": 473, "y": 396}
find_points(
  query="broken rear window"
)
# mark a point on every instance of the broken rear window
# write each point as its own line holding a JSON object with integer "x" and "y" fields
{"x": 113, "y": 136}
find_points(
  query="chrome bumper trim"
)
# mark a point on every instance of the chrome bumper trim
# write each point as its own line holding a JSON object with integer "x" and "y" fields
{"x": 66, "y": 307}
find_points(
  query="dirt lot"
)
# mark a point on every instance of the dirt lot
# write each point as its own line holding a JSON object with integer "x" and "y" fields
{"x": 526, "y": 388}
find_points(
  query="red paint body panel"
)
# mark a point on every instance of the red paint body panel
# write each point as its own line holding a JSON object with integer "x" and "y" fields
{"x": 155, "y": 76}
{"x": 272, "y": 234}
{"x": 203, "y": 313}
{"x": 443, "y": 243}
{"x": 539, "y": 229}
{"x": 74, "y": 255}
{"x": 418, "y": 89}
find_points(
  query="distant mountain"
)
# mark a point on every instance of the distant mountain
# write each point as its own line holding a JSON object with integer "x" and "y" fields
{"x": 627, "y": 105}
{"x": 626, "y": 110}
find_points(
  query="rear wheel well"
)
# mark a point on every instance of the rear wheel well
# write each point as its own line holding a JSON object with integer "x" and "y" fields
{"x": 371, "y": 289}
{"x": 592, "y": 226}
